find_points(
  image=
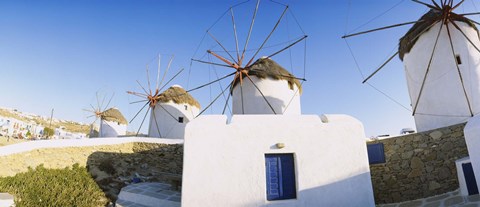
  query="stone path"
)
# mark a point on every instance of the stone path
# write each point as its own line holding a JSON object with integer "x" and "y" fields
{"x": 453, "y": 199}
{"x": 148, "y": 194}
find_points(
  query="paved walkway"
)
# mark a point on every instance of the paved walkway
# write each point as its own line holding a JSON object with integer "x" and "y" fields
{"x": 148, "y": 194}
{"x": 453, "y": 199}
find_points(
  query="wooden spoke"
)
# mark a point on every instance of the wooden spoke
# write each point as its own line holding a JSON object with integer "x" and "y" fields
{"x": 226, "y": 102}
{"x": 146, "y": 92}
{"x": 463, "y": 33}
{"x": 211, "y": 63}
{"x": 457, "y": 5}
{"x": 141, "y": 124}
{"x": 109, "y": 101}
{"x": 148, "y": 81}
{"x": 156, "y": 122}
{"x": 158, "y": 72}
{"x": 381, "y": 28}
{"x": 219, "y": 79}
{"x": 141, "y": 95}
{"x": 224, "y": 49}
{"x": 261, "y": 93}
{"x": 235, "y": 34}
{"x": 469, "y": 14}
{"x": 234, "y": 65}
{"x": 436, "y": 5}
{"x": 379, "y": 68}
{"x": 139, "y": 112}
{"x": 249, "y": 33}
{"x": 428, "y": 68}
{"x": 166, "y": 71}
{"x": 458, "y": 69}
{"x": 268, "y": 37}
{"x": 138, "y": 101}
{"x": 287, "y": 46}
{"x": 389, "y": 59}
{"x": 211, "y": 103}
{"x": 425, "y": 4}
{"x": 241, "y": 94}
{"x": 172, "y": 79}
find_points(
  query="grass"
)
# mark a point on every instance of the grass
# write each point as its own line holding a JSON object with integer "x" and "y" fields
{"x": 54, "y": 187}
{"x": 4, "y": 141}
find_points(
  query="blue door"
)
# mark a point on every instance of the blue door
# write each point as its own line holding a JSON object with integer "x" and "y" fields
{"x": 280, "y": 174}
{"x": 470, "y": 178}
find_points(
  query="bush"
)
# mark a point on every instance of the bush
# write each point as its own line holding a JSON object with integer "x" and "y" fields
{"x": 48, "y": 132}
{"x": 54, "y": 187}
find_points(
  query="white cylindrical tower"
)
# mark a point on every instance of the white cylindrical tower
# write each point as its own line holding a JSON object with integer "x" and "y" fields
{"x": 174, "y": 109}
{"x": 112, "y": 123}
{"x": 449, "y": 95}
{"x": 273, "y": 89}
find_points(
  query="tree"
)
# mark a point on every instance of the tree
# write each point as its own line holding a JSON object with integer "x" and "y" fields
{"x": 48, "y": 132}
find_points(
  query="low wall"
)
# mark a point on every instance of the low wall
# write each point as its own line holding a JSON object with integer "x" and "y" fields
{"x": 418, "y": 165}
{"x": 112, "y": 162}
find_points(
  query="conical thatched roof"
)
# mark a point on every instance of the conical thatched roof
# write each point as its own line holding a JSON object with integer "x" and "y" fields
{"x": 265, "y": 67}
{"x": 178, "y": 95}
{"x": 408, "y": 40}
{"x": 114, "y": 115}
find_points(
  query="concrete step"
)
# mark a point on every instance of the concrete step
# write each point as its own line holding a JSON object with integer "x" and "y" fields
{"x": 148, "y": 194}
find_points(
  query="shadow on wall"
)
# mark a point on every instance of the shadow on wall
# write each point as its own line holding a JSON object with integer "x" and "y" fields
{"x": 352, "y": 192}
{"x": 112, "y": 171}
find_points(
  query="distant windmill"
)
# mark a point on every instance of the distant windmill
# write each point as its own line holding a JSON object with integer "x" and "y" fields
{"x": 170, "y": 110}
{"x": 259, "y": 85}
{"x": 442, "y": 64}
{"x": 112, "y": 122}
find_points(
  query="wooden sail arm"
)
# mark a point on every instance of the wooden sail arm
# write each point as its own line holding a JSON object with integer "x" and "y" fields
{"x": 234, "y": 65}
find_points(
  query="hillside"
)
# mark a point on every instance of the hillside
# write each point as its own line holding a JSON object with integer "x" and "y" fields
{"x": 69, "y": 126}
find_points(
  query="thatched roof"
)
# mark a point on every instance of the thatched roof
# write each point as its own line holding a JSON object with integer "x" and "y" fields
{"x": 178, "y": 95}
{"x": 114, "y": 115}
{"x": 408, "y": 40}
{"x": 265, "y": 67}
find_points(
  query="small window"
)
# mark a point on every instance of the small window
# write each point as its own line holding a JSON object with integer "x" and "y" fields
{"x": 280, "y": 175}
{"x": 376, "y": 153}
{"x": 186, "y": 107}
{"x": 180, "y": 119}
{"x": 459, "y": 60}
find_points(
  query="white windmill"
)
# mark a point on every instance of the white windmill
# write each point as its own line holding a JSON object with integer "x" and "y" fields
{"x": 441, "y": 56}
{"x": 112, "y": 122}
{"x": 260, "y": 85}
{"x": 170, "y": 110}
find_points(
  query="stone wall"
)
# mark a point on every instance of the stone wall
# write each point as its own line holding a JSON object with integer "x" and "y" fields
{"x": 112, "y": 166}
{"x": 418, "y": 165}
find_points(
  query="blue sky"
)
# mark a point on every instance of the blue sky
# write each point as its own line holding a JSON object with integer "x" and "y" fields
{"x": 57, "y": 54}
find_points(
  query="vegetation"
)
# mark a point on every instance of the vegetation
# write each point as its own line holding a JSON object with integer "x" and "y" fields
{"x": 48, "y": 132}
{"x": 54, "y": 187}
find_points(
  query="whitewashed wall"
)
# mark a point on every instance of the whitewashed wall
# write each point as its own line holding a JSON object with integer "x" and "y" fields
{"x": 112, "y": 129}
{"x": 167, "y": 115}
{"x": 443, "y": 102}
{"x": 282, "y": 99}
{"x": 224, "y": 164}
{"x": 472, "y": 139}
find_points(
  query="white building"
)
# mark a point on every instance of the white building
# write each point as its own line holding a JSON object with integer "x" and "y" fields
{"x": 261, "y": 159}
{"x": 112, "y": 123}
{"x": 174, "y": 109}
{"x": 449, "y": 95}
{"x": 280, "y": 89}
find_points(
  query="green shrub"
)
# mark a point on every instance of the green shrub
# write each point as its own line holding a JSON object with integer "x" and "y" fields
{"x": 48, "y": 132}
{"x": 54, "y": 187}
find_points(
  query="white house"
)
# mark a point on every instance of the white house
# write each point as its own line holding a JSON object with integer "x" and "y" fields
{"x": 280, "y": 89}
{"x": 112, "y": 123}
{"x": 262, "y": 159}
{"x": 174, "y": 109}
{"x": 444, "y": 95}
